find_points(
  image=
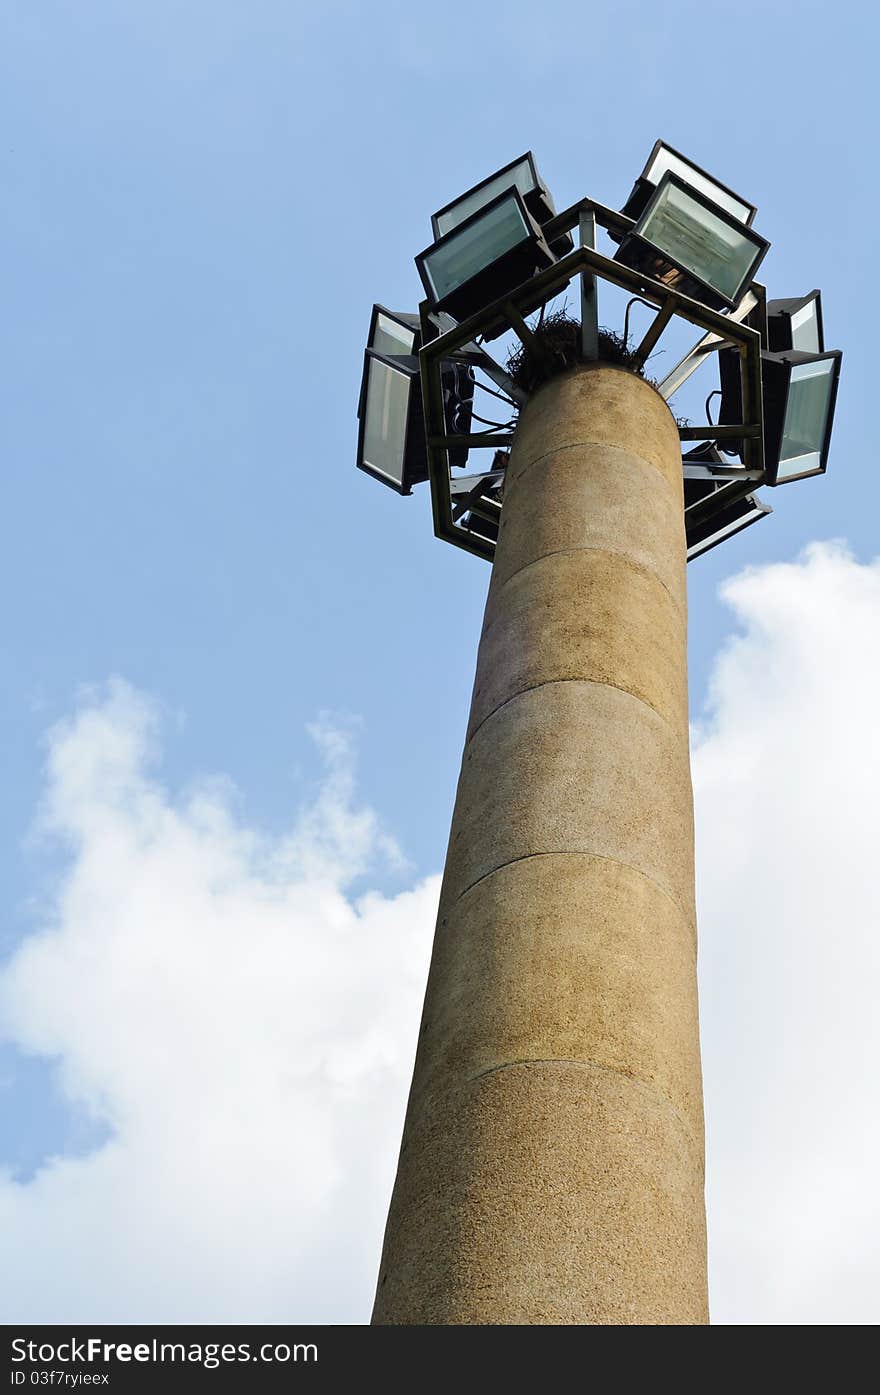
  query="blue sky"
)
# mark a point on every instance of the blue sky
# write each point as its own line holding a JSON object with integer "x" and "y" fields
{"x": 202, "y": 201}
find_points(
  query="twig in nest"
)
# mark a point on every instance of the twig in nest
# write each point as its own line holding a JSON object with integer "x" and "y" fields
{"x": 559, "y": 338}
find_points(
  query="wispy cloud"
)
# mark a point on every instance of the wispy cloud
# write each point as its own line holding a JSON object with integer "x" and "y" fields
{"x": 786, "y": 772}
{"x": 241, "y": 1025}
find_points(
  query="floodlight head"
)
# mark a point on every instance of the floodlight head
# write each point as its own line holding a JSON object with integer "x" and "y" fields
{"x": 662, "y": 160}
{"x": 391, "y": 444}
{"x": 521, "y": 174}
{"x": 391, "y": 434}
{"x": 800, "y": 391}
{"x": 392, "y": 333}
{"x": 479, "y": 527}
{"x": 731, "y": 518}
{"x": 688, "y": 243}
{"x": 486, "y": 256}
{"x": 479, "y": 510}
{"x": 796, "y": 324}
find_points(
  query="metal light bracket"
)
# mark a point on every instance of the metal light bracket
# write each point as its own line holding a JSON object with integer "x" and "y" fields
{"x": 443, "y": 339}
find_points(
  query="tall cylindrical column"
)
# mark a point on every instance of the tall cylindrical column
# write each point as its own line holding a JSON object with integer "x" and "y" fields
{"x": 551, "y": 1169}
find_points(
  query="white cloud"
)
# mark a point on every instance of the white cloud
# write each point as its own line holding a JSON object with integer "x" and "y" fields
{"x": 786, "y": 774}
{"x": 243, "y": 1027}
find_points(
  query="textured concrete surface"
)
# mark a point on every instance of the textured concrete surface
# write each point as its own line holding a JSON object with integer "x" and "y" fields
{"x": 574, "y": 767}
{"x": 492, "y": 1000}
{"x": 627, "y": 631}
{"x": 549, "y": 1192}
{"x": 615, "y": 507}
{"x": 551, "y": 1169}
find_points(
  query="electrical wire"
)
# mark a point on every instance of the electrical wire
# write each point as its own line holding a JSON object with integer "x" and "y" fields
{"x": 509, "y": 426}
{"x": 502, "y": 396}
{"x": 502, "y": 425}
{"x": 719, "y": 445}
{"x": 636, "y": 300}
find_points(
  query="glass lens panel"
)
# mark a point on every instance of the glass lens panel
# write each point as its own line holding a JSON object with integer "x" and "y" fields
{"x": 665, "y": 160}
{"x": 806, "y": 417}
{"x": 392, "y": 338}
{"x": 519, "y": 177}
{"x": 386, "y": 418}
{"x": 704, "y": 244}
{"x": 475, "y": 247}
{"x": 805, "y": 330}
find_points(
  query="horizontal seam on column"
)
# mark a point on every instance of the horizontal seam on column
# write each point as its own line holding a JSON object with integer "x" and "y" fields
{"x": 591, "y": 547}
{"x": 579, "y": 852}
{"x": 549, "y": 682}
{"x": 577, "y": 445}
{"x": 636, "y": 1080}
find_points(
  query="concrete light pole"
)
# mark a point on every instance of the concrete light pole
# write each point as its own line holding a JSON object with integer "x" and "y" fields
{"x": 552, "y": 1161}
{"x": 551, "y": 1169}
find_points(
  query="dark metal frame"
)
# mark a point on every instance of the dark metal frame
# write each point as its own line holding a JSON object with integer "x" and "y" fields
{"x": 638, "y": 238}
{"x": 585, "y": 262}
{"x": 750, "y": 311}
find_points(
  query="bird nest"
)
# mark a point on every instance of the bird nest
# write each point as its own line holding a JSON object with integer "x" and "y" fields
{"x": 556, "y": 346}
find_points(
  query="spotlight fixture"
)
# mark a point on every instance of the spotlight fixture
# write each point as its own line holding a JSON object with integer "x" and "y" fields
{"x": 662, "y": 160}
{"x": 484, "y": 257}
{"x": 521, "y": 174}
{"x": 391, "y": 436}
{"x": 799, "y": 395}
{"x": 393, "y": 334}
{"x": 707, "y": 531}
{"x": 800, "y": 391}
{"x": 684, "y": 240}
{"x": 796, "y": 324}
